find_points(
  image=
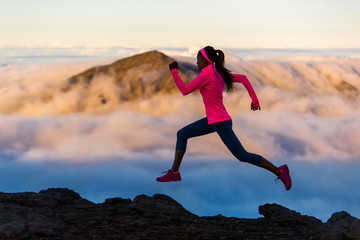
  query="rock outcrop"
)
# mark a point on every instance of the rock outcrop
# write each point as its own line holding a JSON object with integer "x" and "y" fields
{"x": 58, "y": 213}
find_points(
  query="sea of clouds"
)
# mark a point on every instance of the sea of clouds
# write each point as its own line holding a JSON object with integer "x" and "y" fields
{"x": 310, "y": 119}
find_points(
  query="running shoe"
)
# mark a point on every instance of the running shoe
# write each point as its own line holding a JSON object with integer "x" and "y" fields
{"x": 169, "y": 177}
{"x": 284, "y": 177}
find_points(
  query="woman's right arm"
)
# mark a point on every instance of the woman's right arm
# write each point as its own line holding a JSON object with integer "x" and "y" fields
{"x": 191, "y": 86}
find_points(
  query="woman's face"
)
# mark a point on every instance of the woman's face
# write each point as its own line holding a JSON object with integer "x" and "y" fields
{"x": 201, "y": 61}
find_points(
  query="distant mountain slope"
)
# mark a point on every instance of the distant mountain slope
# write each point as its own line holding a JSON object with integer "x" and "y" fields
{"x": 142, "y": 75}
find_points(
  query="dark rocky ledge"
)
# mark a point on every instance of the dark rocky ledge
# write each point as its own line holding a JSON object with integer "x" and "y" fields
{"x": 59, "y": 213}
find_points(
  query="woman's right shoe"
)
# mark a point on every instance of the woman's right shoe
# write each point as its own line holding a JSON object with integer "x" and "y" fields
{"x": 285, "y": 177}
{"x": 169, "y": 177}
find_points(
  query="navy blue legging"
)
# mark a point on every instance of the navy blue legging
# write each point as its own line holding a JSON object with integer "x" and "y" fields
{"x": 226, "y": 133}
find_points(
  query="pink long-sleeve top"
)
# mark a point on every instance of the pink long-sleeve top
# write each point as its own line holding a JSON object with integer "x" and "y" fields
{"x": 211, "y": 87}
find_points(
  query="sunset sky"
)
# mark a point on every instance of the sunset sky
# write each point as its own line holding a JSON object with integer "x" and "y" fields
{"x": 162, "y": 23}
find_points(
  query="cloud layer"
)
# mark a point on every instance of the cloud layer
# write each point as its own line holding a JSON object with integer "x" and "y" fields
{"x": 310, "y": 111}
{"x": 322, "y": 86}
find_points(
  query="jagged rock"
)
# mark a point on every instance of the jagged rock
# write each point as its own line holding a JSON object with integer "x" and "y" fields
{"x": 275, "y": 212}
{"x": 159, "y": 203}
{"x": 341, "y": 225}
{"x": 50, "y": 198}
{"x": 118, "y": 201}
{"x": 58, "y": 213}
{"x": 63, "y": 195}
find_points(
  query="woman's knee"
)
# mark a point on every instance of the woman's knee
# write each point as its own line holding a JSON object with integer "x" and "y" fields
{"x": 243, "y": 157}
{"x": 180, "y": 134}
{"x": 181, "y": 141}
{"x": 251, "y": 158}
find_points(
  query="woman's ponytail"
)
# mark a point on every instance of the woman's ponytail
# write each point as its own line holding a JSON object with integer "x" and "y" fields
{"x": 223, "y": 71}
{"x": 218, "y": 57}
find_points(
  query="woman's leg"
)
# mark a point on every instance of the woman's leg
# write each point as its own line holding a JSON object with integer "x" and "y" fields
{"x": 179, "y": 154}
{"x": 227, "y": 135}
{"x": 195, "y": 129}
{"x": 269, "y": 166}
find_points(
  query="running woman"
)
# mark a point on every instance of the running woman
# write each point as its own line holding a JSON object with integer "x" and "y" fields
{"x": 210, "y": 83}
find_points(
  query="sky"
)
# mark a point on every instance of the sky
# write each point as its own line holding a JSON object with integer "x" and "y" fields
{"x": 162, "y": 23}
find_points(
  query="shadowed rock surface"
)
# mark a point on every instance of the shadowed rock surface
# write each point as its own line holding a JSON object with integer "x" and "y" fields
{"x": 59, "y": 213}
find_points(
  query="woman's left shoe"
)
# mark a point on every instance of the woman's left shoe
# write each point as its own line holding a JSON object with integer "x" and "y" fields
{"x": 169, "y": 177}
{"x": 285, "y": 177}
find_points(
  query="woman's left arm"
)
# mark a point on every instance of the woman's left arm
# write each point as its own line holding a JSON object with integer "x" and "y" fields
{"x": 255, "y": 105}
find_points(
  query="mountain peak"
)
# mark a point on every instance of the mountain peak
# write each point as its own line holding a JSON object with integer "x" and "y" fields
{"x": 140, "y": 76}
{"x": 154, "y": 57}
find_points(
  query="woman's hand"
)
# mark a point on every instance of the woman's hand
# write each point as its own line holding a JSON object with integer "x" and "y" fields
{"x": 173, "y": 65}
{"x": 255, "y": 106}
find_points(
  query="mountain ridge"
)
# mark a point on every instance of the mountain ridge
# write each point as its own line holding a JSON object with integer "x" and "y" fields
{"x": 139, "y": 76}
